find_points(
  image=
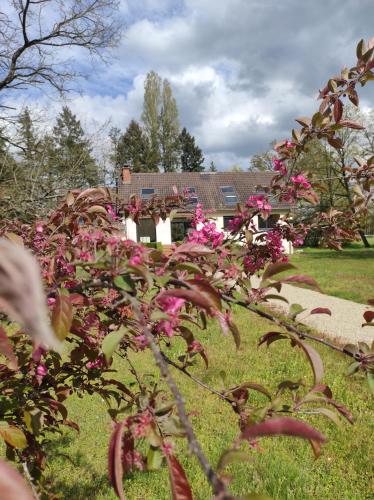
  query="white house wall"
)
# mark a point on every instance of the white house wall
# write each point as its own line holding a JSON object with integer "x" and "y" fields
{"x": 163, "y": 231}
{"x": 130, "y": 229}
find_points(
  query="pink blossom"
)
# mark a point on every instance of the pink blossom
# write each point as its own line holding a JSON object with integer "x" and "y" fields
{"x": 289, "y": 144}
{"x": 300, "y": 181}
{"x": 144, "y": 421}
{"x": 279, "y": 166}
{"x": 51, "y": 301}
{"x": 135, "y": 261}
{"x": 236, "y": 223}
{"x": 141, "y": 342}
{"x": 86, "y": 256}
{"x": 98, "y": 363}
{"x": 260, "y": 202}
{"x": 171, "y": 305}
{"x": 39, "y": 228}
{"x": 41, "y": 370}
{"x": 111, "y": 212}
{"x": 113, "y": 241}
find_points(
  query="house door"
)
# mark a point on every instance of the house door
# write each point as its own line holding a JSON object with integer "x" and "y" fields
{"x": 146, "y": 231}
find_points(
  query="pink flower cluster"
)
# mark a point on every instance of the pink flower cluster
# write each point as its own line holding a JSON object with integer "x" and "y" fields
{"x": 260, "y": 202}
{"x": 293, "y": 193}
{"x": 271, "y": 249}
{"x": 98, "y": 363}
{"x": 206, "y": 232}
{"x": 171, "y": 306}
{"x": 300, "y": 181}
{"x": 279, "y": 166}
{"x": 143, "y": 422}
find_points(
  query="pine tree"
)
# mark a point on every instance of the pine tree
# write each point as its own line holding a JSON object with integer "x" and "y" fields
{"x": 192, "y": 158}
{"x": 212, "y": 167}
{"x": 133, "y": 149}
{"x": 151, "y": 118}
{"x": 169, "y": 130}
{"x": 72, "y": 152}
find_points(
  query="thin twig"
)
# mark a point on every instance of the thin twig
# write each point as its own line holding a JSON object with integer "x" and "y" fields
{"x": 29, "y": 478}
{"x": 195, "y": 379}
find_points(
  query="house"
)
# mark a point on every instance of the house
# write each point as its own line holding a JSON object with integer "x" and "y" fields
{"x": 218, "y": 192}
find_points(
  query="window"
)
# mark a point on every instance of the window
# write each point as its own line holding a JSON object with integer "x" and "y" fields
{"x": 179, "y": 229}
{"x": 192, "y": 195}
{"x": 226, "y": 220}
{"x": 229, "y": 195}
{"x": 269, "y": 223}
{"x": 147, "y": 193}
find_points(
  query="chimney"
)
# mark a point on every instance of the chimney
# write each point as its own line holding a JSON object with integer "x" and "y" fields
{"x": 126, "y": 175}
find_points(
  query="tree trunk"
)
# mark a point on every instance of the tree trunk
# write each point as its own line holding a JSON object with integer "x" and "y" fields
{"x": 364, "y": 239}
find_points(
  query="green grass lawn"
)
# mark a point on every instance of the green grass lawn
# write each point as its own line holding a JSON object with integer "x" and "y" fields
{"x": 285, "y": 469}
{"x": 348, "y": 274}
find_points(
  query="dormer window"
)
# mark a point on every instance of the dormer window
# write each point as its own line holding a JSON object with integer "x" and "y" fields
{"x": 192, "y": 196}
{"x": 229, "y": 195}
{"x": 147, "y": 193}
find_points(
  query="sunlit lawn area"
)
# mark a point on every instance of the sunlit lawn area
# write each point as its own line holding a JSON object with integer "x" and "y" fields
{"x": 284, "y": 469}
{"x": 348, "y": 274}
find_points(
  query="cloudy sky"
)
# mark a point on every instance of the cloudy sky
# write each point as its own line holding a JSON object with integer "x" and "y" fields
{"x": 241, "y": 70}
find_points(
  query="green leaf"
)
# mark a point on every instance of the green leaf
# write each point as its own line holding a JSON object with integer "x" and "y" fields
{"x": 124, "y": 283}
{"x": 33, "y": 420}
{"x": 232, "y": 456}
{"x": 154, "y": 458}
{"x": 352, "y": 368}
{"x": 111, "y": 342}
{"x": 295, "y": 309}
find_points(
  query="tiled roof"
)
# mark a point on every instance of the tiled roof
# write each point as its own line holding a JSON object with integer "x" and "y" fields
{"x": 207, "y": 184}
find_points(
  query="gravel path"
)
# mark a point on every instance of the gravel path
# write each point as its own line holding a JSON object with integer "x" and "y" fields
{"x": 345, "y": 321}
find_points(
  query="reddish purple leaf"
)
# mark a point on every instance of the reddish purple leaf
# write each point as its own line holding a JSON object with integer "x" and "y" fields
{"x": 338, "y": 110}
{"x": 12, "y": 484}
{"x": 271, "y": 337}
{"x": 339, "y": 407}
{"x": 208, "y": 290}
{"x": 303, "y": 279}
{"x": 282, "y": 426}
{"x": 115, "y": 463}
{"x": 321, "y": 310}
{"x": 190, "y": 295}
{"x": 369, "y": 316}
{"x": 351, "y": 124}
{"x": 193, "y": 249}
{"x": 324, "y": 389}
{"x": 314, "y": 359}
{"x": 181, "y": 490}
{"x": 276, "y": 268}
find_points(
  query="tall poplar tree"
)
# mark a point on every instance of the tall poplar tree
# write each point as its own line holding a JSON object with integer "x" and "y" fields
{"x": 151, "y": 117}
{"x": 169, "y": 130}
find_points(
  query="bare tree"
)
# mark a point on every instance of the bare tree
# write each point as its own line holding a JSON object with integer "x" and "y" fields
{"x": 39, "y": 37}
